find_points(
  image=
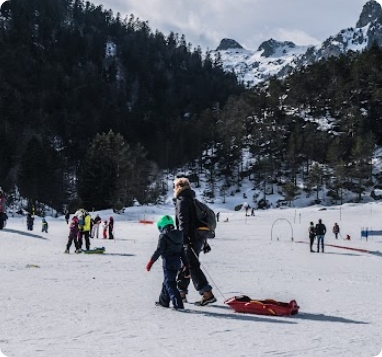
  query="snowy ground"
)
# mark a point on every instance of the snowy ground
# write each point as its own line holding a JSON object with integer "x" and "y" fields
{"x": 57, "y": 305}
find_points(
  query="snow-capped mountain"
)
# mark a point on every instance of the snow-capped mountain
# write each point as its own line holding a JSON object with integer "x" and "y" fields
{"x": 274, "y": 58}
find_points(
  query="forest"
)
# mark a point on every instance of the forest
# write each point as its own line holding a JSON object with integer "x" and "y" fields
{"x": 96, "y": 108}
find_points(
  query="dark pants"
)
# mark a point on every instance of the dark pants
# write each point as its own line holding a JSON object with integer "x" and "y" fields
{"x": 86, "y": 235}
{"x": 198, "y": 278}
{"x": 72, "y": 238}
{"x": 311, "y": 239}
{"x": 169, "y": 292}
{"x": 111, "y": 236}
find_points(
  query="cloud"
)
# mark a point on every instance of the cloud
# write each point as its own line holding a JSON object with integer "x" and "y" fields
{"x": 249, "y": 22}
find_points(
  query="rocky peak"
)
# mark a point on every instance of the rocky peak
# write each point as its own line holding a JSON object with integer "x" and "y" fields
{"x": 226, "y": 44}
{"x": 269, "y": 47}
{"x": 371, "y": 11}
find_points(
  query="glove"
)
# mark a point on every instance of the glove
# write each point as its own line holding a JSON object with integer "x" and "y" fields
{"x": 186, "y": 271}
{"x": 149, "y": 265}
{"x": 206, "y": 248}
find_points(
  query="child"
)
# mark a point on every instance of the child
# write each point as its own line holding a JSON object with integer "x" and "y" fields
{"x": 73, "y": 232}
{"x": 104, "y": 227}
{"x": 336, "y": 230}
{"x": 170, "y": 247}
{"x": 44, "y": 225}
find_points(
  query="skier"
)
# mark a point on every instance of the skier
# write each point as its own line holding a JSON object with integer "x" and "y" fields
{"x": 170, "y": 248}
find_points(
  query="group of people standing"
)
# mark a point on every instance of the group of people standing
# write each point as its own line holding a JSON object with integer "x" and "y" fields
{"x": 319, "y": 231}
{"x": 30, "y": 223}
{"x": 180, "y": 244}
{"x": 82, "y": 227}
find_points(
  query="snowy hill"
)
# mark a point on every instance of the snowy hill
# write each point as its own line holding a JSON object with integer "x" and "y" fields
{"x": 274, "y": 58}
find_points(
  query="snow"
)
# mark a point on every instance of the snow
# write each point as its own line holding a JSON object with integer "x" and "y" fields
{"x": 54, "y": 304}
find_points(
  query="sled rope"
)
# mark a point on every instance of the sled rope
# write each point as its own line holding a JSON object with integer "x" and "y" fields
{"x": 209, "y": 276}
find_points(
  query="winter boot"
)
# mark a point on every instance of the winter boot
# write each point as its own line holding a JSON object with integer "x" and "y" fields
{"x": 66, "y": 251}
{"x": 208, "y": 298}
{"x": 157, "y": 303}
{"x": 183, "y": 297}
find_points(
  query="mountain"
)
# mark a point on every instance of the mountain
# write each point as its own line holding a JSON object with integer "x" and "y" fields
{"x": 274, "y": 58}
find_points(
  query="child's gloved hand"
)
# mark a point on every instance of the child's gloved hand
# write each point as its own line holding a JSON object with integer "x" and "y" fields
{"x": 149, "y": 265}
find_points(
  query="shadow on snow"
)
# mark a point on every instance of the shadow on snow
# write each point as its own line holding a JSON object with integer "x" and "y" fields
{"x": 326, "y": 318}
{"x": 24, "y": 233}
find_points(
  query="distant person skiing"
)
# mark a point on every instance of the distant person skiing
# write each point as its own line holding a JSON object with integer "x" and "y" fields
{"x": 320, "y": 233}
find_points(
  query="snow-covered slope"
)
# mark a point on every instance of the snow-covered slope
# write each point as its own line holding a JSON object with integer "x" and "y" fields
{"x": 55, "y": 304}
{"x": 274, "y": 58}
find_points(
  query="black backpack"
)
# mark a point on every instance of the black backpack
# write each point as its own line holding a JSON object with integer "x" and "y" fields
{"x": 205, "y": 216}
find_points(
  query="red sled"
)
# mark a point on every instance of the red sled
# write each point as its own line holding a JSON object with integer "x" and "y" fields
{"x": 246, "y": 305}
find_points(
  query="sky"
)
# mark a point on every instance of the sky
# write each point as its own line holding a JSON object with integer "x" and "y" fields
{"x": 63, "y": 305}
{"x": 249, "y": 22}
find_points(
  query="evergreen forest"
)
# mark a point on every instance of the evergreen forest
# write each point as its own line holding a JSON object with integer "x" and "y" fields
{"x": 95, "y": 108}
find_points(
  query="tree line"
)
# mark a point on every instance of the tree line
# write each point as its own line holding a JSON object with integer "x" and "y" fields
{"x": 76, "y": 80}
{"x": 95, "y": 107}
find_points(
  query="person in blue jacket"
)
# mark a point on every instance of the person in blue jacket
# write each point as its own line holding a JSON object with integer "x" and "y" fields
{"x": 170, "y": 248}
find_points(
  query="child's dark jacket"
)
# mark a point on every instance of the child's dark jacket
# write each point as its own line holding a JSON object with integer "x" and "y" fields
{"x": 170, "y": 244}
